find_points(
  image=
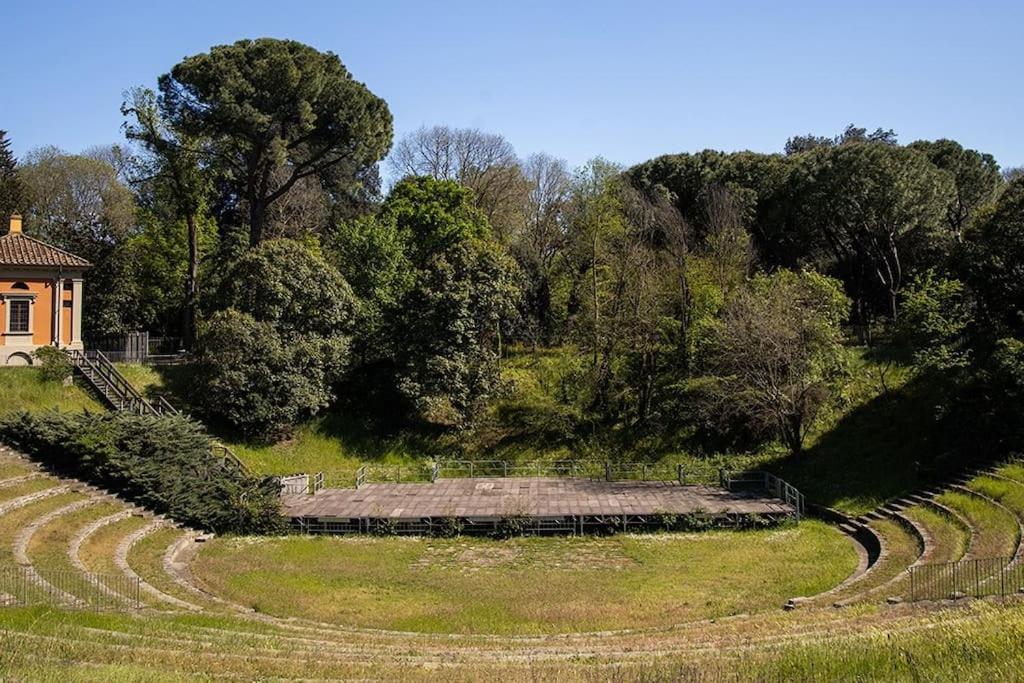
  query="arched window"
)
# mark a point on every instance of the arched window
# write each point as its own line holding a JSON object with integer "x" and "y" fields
{"x": 20, "y": 285}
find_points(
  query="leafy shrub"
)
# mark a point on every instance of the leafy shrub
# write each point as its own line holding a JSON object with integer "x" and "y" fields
{"x": 384, "y": 526}
{"x": 668, "y": 520}
{"x": 162, "y": 463}
{"x": 56, "y": 362}
{"x": 289, "y": 285}
{"x": 755, "y": 521}
{"x": 448, "y": 527}
{"x": 511, "y": 526}
{"x": 935, "y": 317}
{"x": 697, "y": 520}
{"x": 259, "y": 382}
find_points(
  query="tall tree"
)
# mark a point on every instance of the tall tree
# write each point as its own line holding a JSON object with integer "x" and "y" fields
{"x": 484, "y": 162}
{"x": 78, "y": 203}
{"x": 10, "y": 185}
{"x": 976, "y": 179}
{"x": 445, "y": 328}
{"x": 265, "y": 105}
{"x": 174, "y": 165}
{"x": 541, "y": 239}
{"x": 779, "y": 352}
{"x": 878, "y": 208}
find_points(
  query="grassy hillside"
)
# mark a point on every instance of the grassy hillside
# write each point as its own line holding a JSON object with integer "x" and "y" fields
{"x": 25, "y": 389}
{"x": 873, "y": 447}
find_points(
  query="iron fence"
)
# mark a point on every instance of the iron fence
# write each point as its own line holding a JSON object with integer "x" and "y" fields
{"x": 138, "y": 347}
{"x": 977, "y": 578}
{"x": 24, "y": 586}
{"x": 573, "y": 469}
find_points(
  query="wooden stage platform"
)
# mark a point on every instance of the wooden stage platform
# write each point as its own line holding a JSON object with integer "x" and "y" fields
{"x": 563, "y": 502}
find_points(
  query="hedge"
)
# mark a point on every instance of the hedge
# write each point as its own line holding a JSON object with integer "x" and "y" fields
{"x": 161, "y": 463}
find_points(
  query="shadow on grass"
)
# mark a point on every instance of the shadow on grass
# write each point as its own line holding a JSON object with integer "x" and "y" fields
{"x": 889, "y": 447}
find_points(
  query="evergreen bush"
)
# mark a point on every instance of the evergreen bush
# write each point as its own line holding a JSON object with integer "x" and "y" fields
{"x": 162, "y": 463}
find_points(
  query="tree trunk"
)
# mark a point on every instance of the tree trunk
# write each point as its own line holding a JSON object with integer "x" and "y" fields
{"x": 191, "y": 282}
{"x": 597, "y": 304}
{"x": 257, "y": 215}
{"x": 792, "y": 433}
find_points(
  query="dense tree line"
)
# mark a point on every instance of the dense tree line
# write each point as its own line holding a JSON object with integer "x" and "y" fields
{"x": 708, "y": 294}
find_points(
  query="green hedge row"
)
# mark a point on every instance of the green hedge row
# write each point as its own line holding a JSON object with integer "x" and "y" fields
{"x": 162, "y": 463}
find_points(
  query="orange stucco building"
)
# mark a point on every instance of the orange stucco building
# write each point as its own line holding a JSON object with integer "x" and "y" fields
{"x": 41, "y": 290}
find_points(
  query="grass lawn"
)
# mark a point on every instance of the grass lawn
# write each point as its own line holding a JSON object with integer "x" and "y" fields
{"x": 25, "y": 389}
{"x": 526, "y": 585}
{"x": 997, "y": 528}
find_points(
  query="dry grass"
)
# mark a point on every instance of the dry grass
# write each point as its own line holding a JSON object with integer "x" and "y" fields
{"x": 951, "y": 540}
{"x": 527, "y": 585}
{"x": 996, "y": 528}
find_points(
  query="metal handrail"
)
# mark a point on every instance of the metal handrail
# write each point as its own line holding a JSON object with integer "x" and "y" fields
{"x": 774, "y": 485}
{"x": 577, "y": 469}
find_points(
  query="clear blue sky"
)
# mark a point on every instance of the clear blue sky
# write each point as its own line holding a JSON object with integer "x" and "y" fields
{"x": 625, "y": 80}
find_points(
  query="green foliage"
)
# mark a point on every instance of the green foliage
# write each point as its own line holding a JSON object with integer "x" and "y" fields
{"x": 877, "y": 210}
{"x": 448, "y": 527}
{"x": 995, "y": 262}
{"x": 370, "y": 253}
{"x": 510, "y": 526}
{"x": 447, "y": 331}
{"x": 975, "y": 175}
{"x": 56, "y": 362}
{"x": 263, "y": 105}
{"x": 79, "y": 204}
{"x": 163, "y": 463}
{"x": 936, "y": 314}
{"x": 779, "y": 352}
{"x": 1008, "y": 363}
{"x": 156, "y": 260}
{"x": 290, "y": 286}
{"x": 434, "y": 216}
{"x": 443, "y": 331}
{"x": 263, "y": 384}
{"x": 10, "y": 185}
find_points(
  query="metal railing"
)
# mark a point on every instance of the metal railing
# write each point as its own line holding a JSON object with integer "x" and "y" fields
{"x": 23, "y": 586}
{"x": 294, "y": 484}
{"x": 106, "y": 379}
{"x": 228, "y": 458}
{"x": 977, "y": 578}
{"x": 767, "y": 481}
{"x": 139, "y": 347}
{"x": 594, "y": 470}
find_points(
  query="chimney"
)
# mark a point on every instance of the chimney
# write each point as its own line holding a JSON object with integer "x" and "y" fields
{"x": 15, "y": 225}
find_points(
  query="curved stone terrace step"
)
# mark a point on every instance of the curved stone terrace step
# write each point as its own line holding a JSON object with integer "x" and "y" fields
{"x": 177, "y": 560}
{"x": 28, "y": 499}
{"x": 956, "y": 519}
{"x": 1018, "y": 553}
{"x": 892, "y": 569}
{"x": 24, "y": 537}
{"x": 83, "y": 534}
{"x": 1011, "y": 554}
{"x": 121, "y": 560}
{"x": 12, "y": 481}
{"x": 925, "y": 546}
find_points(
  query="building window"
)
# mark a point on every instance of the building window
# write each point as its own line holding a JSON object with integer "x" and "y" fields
{"x": 20, "y": 285}
{"x": 19, "y": 316}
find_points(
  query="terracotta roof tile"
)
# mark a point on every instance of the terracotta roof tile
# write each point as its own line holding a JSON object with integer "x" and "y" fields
{"x": 17, "y": 249}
